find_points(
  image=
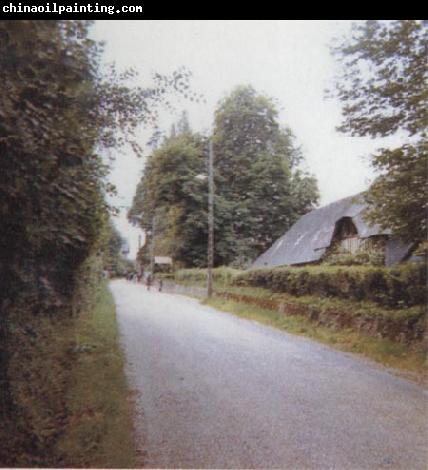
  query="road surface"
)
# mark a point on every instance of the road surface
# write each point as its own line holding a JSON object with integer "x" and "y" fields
{"x": 217, "y": 391}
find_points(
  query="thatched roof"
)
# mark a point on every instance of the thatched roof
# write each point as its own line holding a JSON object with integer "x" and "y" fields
{"x": 308, "y": 239}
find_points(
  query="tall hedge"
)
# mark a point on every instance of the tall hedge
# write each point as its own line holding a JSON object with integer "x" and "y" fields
{"x": 58, "y": 109}
{"x": 399, "y": 286}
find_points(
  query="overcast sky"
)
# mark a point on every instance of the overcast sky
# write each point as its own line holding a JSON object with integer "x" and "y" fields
{"x": 289, "y": 61}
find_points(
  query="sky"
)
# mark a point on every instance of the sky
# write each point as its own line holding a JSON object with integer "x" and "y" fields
{"x": 288, "y": 60}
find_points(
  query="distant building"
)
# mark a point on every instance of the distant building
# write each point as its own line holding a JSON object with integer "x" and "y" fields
{"x": 339, "y": 226}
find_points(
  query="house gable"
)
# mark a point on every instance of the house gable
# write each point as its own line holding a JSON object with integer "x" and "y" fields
{"x": 312, "y": 235}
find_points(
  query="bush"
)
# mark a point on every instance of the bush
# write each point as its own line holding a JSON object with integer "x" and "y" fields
{"x": 348, "y": 259}
{"x": 222, "y": 276}
{"x": 400, "y": 286}
{"x": 375, "y": 258}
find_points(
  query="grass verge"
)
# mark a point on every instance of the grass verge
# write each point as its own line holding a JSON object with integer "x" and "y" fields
{"x": 388, "y": 353}
{"x": 99, "y": 432}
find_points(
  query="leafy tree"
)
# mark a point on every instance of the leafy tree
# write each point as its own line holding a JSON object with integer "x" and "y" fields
{"x": 383, "y": 89}
{"x": 170, "y": 200}
{"x": 183, "y": 125}
{"x": 400, "y": 195}
{"x": 112, "y": 244}
{"x": 259, "y": 191}
{"x": 58, "y": 111}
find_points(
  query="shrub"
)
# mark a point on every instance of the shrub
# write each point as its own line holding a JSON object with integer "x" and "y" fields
{"x": 222, "y": 275}
{"x": 348, "y": 259}
{"x": 377, "y": 258}
{"x": 403, "y": 285}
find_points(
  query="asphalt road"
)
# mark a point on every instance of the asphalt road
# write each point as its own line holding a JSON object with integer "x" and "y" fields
{"x": 217, "y": 391}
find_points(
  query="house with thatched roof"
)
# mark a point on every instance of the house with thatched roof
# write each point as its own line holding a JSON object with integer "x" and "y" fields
{"x": 339, "y": 226}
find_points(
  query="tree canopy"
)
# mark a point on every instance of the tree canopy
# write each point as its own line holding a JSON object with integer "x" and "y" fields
{"x": 170, "y": 201}
{"x": 259, "y": 190}
{"x": 383, "y": 89}
{"x": 58, "y": 111}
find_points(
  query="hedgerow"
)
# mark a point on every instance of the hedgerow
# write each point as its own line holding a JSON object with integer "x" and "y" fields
{"x": 398, "y": 286}
{"x": 221, "y": 276}
{"x": 58, "y": 110}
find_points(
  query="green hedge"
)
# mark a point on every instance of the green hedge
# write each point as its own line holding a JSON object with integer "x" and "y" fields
{"x": 399, "y": 286}
{"x": 221, "y": 276}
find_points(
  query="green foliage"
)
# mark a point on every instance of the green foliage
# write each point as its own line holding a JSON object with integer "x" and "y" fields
{"x": 38, "y": 370}
{"x": 348, "y": 259}
{"x": 383, "y": 90}
{"x": 57, "y": 111}
{"x": 375, "y": 258}
{"x": 400, "y": 195}
{"x": 260, "y": 192}
{"x": 404, "y": 285}
{"x": 171, "y": 201}
{"x": 111, "y": 246}
{"x": 51, "y": 183}
{"x": 383, "y": 84}
{"x": 378, "y": 348}
{"x": 183, "y": 125}
{"x": 222, "y": 276}
{"x": 99, "y": 429}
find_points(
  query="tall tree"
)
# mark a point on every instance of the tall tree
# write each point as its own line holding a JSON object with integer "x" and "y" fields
{"x": 57, "y": 112}
{"x": 259, "y": 192}
{"x": 383, "y": 88}
{"x": 112, "y": 244}
{"x": 183, "y": 125}
{"x": 170, "y": 200}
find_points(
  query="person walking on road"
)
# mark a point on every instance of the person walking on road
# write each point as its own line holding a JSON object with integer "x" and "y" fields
{"x": 149, "y": 282}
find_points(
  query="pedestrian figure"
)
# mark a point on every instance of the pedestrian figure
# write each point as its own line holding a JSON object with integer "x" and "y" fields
{"x": 160, "y": 285}
{"x": 149, "y": 282}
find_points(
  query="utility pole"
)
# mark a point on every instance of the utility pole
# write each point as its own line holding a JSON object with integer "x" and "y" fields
{"x": 210, "y": 219}
{"x": 138, "y": 263}
{"x": 152, "y": 247}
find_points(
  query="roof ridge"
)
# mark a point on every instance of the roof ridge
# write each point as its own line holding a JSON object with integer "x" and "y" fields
{"x": 340, "y": 201}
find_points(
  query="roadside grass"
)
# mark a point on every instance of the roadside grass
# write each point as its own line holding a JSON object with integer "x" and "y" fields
{"x": 261, "y": 304}
{"x": 99, "y": 433}
{"x": 35, "y": 410}
{"x": 383, "y": 351}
